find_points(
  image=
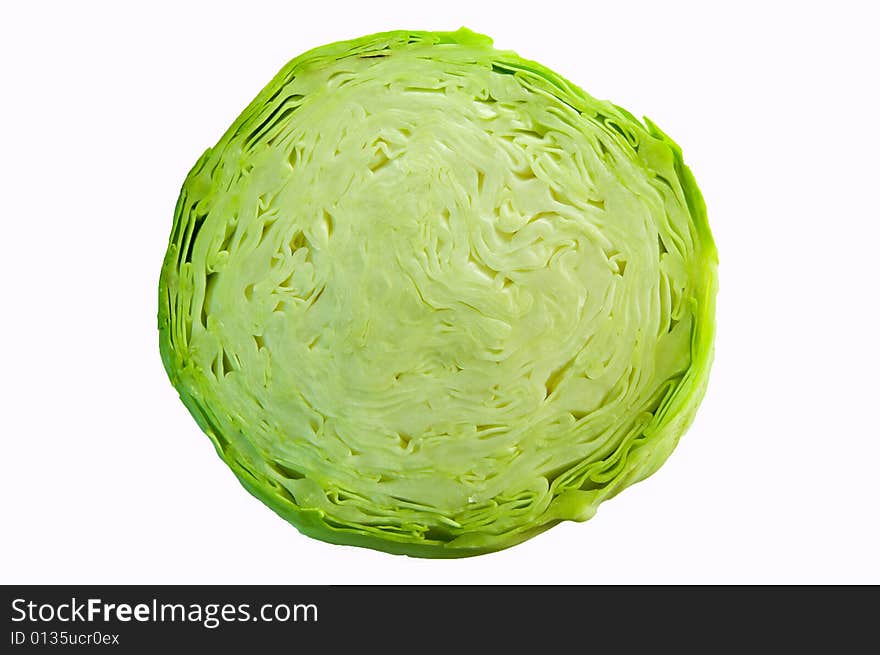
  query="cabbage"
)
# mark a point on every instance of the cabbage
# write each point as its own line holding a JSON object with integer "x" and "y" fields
{"x": 431, "y": 298}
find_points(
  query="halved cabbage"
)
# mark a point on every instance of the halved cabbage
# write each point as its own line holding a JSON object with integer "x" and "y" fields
{"x": 432, "y": 298}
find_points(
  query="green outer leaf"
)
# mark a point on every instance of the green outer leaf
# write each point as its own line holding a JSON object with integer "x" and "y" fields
{"x": 576, "y": 492}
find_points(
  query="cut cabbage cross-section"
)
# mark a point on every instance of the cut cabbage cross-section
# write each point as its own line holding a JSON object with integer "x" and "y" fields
{"x": 431, "y": 298}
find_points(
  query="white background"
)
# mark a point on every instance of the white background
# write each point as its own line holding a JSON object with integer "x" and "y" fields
{"x": 106, "y": 478}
